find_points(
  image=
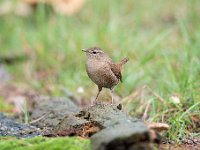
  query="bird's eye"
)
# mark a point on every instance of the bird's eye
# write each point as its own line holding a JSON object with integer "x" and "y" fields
{"x": 94, "y": 52}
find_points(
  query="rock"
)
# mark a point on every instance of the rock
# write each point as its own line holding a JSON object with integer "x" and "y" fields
{"x": 122, "y": 135}
{"x": 51, "y": 111}
{"x": 107, "y": 125}
{"x": 120, "y": 131}
{"x": 109, "y": 128}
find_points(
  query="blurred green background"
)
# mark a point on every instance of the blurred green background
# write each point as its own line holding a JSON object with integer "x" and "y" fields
{"x": 161, "y": 39}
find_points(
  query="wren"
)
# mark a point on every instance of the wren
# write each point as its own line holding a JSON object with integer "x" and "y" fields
{"x": 102, "y": 70}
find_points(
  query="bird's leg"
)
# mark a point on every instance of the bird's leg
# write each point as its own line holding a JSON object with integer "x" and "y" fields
{"x": 112, "y": 95}
{"x": 95, "y": 101}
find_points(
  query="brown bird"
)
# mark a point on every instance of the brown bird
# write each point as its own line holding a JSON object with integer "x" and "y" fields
{"x": 102, "y": 70}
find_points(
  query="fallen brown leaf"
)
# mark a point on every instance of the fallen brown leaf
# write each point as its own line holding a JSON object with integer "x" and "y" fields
{"x": 67, "y": 7}
{"x": 157, "y": 126}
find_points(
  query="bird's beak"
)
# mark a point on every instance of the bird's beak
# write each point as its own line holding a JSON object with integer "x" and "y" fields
{"x": 84, "y": 50}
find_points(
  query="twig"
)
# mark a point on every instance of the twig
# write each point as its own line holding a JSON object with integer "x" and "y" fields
{"x": 156, "y": 95}
{"x": 146, "y": 110}
{"x": 36, "y": 120}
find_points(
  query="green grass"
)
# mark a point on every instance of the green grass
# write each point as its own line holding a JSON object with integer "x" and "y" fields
{"x": 39, "y": 143}
{"x": 161, "y": 39}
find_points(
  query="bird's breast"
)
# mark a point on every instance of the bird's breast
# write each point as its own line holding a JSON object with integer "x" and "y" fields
{"x": 101, "y": 74}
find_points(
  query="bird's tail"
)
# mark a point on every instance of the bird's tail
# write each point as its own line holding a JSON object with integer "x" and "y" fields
{"x": 124, "y": 61}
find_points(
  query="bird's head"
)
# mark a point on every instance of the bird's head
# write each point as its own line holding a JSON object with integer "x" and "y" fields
{"x": 95, "y": 53}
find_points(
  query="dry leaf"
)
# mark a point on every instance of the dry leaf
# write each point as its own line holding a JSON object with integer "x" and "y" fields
{"x": 67, "y": 7}
{"x": 25, "y": 7}
{"x": 158, "y": 127}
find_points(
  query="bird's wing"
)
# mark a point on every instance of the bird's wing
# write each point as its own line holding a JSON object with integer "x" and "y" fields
{"x": 116, "y": 70}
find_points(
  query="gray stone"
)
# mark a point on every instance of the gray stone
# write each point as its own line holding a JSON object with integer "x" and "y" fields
{"x": 51, "y": 111}
{"x": 107, "y": 125}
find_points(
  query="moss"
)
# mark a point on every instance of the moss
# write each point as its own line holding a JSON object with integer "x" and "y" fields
{"x": 38, "y": 143}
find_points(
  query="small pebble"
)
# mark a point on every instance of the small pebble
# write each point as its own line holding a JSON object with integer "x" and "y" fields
{"x": 172, "y": 142}
{"x": 190, "y": 142}
{"x": 10, "y": 127}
